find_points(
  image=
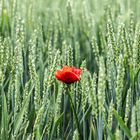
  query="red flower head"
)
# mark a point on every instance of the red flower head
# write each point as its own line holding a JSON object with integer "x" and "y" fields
{"x": 68, "y": 74}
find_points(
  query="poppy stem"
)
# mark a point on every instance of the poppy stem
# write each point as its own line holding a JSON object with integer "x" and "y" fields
{"x": 75, "y": 114}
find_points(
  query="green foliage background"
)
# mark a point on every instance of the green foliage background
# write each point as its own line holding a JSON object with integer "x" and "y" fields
{"x": 37, "y": 37}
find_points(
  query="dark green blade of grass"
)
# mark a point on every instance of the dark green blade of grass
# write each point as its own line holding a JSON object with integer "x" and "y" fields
{"x": 122, "y": 124}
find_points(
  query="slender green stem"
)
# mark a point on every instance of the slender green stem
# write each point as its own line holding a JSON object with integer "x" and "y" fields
{"x": 75, "y": 114}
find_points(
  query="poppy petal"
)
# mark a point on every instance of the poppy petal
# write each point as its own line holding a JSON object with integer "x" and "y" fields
{"x": 59, "y": 75}
{"x": 67, "y": 68}
{"x": 77, "y": 71}
{"x": 70, "y": 77}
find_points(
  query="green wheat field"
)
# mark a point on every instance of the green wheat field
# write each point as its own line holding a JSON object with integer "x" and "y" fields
{"x": 39, "y": 37}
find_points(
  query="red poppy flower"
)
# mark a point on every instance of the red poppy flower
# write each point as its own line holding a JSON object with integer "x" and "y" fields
{"x": 68, "y": 74}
